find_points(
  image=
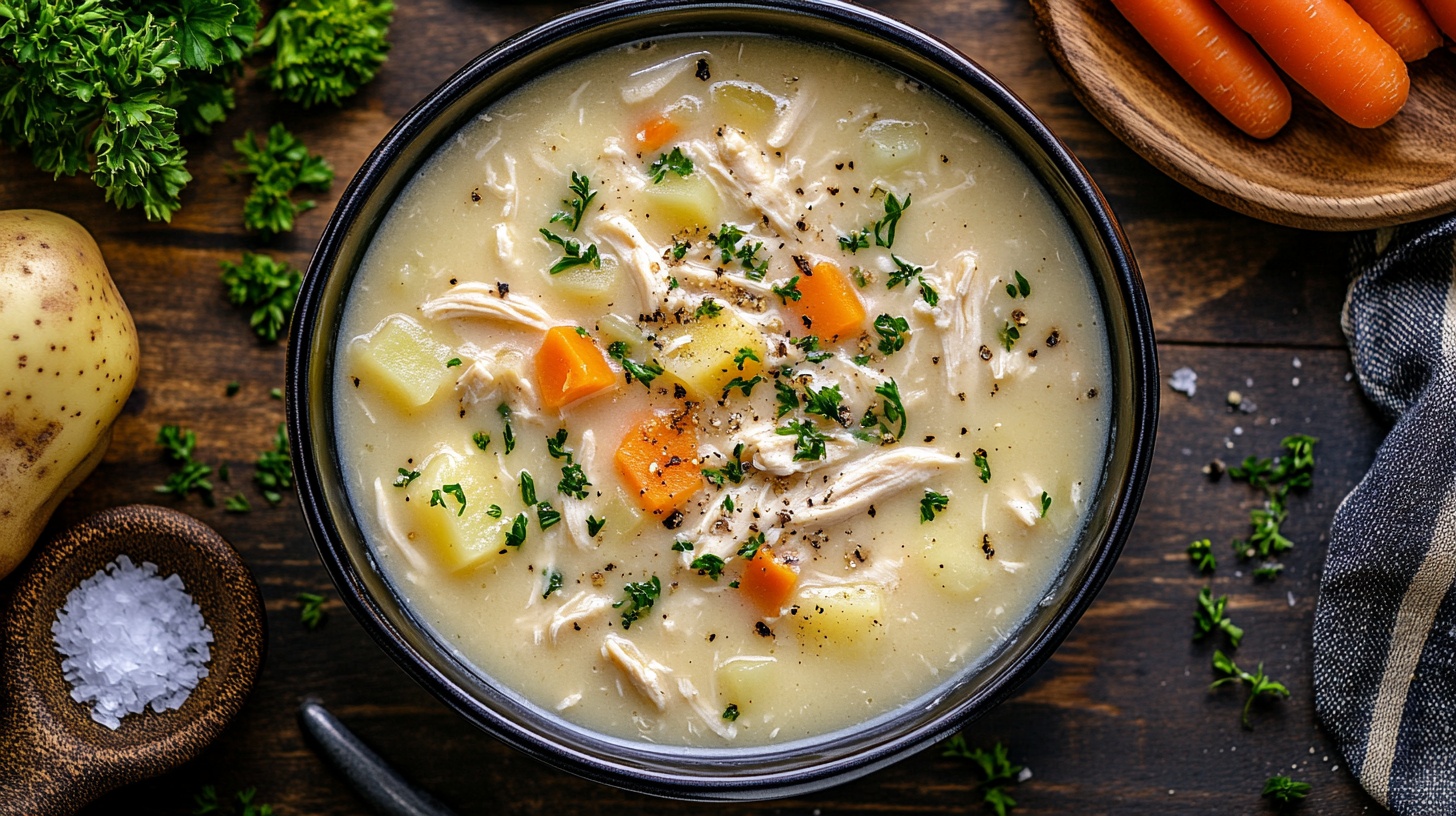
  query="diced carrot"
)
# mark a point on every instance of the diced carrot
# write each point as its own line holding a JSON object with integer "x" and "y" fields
{"x": 1200, "y": 42}
{"x": 828, "y": 306}
{"x": 1402, "y": 23}
{"x": 768, "y": 583}
{"x": 1444, "y": 13}
{"x": 658, "y": 461}
{"x": 655, "y": 133}
{"x": 1326, "y": 47}
{"x": 569, "y": 367}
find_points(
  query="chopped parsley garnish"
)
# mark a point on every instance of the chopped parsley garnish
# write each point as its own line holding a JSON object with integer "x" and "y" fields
{"x": 405, "y": 477}
{"x": 1201, "y": 554}
{"x": 594, "y": 525}
{"x": 854, "y": 242}
{"x": 983, "y": 464}
{"x": 745, "y": 385}
{"x": 1281, "y": 789}
{"x": 928, "y": 293}
{"x": 573, "y": 482}
{"x": 494, "y": 511}
{"x": 452, "y": 362}
{"x": 787, "y": 397}
{"x": 273, "y": 471}
{"x": 547, "y": 516}
{"x": 861, "y": 277}
{"x": 826, "y": 402}
{"x": 809, "y": 344}
{"x": 1046, "y": 503}
{"x": 755, "y": 268}
{"x": 728, "y": 505}
{"x": 1258, "y": 683}
{"x": 582, "y": 195}
{"x": 1020, "y": 287}
{"x": 556, "y": 445}
{"x": 311, "y": 609}
{"x": 709, "y": 308}
{"x": 893, "y": 408}
{"x": 682, "y": 546}
{"x": 1211, "y": 617}
{"x": 509, "y": 434}
{"x": 572, "y": 255}
{"x": 885, "y": 227}
{"x": 861, "y": 359}
{"x": 516, "y": 536}
{"x": 743, "y": 355}
{"x": 237, "y": 503}
{"x": 892, "y": 332}
{"x": 905, "y": 272}
{"x": 810, "y": 445}
{"x": 709, "y": 565}
{"x": 995, "y": 766}
{"x": 452, "y": 489}
{"x": 789, "y": 291}
{"x": 644, "y": 373}
{"x": 675, "y": 162}
{"x": 278, "y": 166}
{"x": 528, "y": 488}
{"x": 726, "y": 239}
{"x": 931, "y": 504}
{"x": 641, "y": 595}
{"x": 679, "y": 250}
{"x": 731, "y": 472}
{"x": 267, "y": 287}
{"x": 731, "y": 713}
{"x": 751, "y": 546}
{"x": 553, "y": 583}
{"x": 1276, "y": 477}
{"x": 481, "y": 439}
{"x": 1008, "y": 335}
{"x": 191, "y": 475}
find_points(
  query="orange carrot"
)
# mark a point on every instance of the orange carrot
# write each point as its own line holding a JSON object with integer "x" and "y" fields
{"x": 828, "y": 306}
{"x": 655, "y": 133}
{"x": 1444, "y": 13}
{"x": 1326, "y": 47}
{"x": 1402, "y": 23}
{"x": 768, "y": 583}
{"x": 1222, "y": 64}
{"x": 569, "y": 367}
{"x": 658, "y": 461}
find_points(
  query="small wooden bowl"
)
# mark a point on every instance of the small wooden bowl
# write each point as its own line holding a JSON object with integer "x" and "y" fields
{"x": 1318, "y": 173}
{"x": 53, "y": 757}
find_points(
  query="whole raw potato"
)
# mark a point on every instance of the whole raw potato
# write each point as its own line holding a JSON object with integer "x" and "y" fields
{"x": 68, "y": 360}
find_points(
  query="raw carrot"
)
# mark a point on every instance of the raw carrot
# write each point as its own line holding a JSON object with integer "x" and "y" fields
{"x": 768, "y": 583}
{"x": 655, "y": 133}
{"x": 1326, "y": 47}
{"x": 569, "y": 367}
{"x": 1200, "y": 42}
{"x": 1402, "y": 23}
{"x": 1444, "y": 13}
{"x": 828, "y": 306}
{"x": 658, "y": 461}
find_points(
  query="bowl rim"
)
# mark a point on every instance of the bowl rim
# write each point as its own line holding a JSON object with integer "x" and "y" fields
{"x": 1101, "y": 232}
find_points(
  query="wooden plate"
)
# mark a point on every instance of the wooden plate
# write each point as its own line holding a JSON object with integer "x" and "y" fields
{"x": 1318, "y": 173}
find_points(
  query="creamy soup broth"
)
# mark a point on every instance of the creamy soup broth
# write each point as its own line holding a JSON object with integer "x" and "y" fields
{"x": 907, "y": 556}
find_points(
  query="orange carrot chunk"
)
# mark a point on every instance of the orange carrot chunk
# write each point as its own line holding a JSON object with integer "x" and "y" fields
{"x": 1444, "y": 13}
{"x": 1223, "y": 65}
{"x": 1326, "y": 47}
{"x": 655, "y": 133}
{"x": 569, "y": 367}
{"x": 828, "y": 306}
{"x": 658, "y": 461}
{"x": 768, "y": 583}
{"x": 1402, "y": 23}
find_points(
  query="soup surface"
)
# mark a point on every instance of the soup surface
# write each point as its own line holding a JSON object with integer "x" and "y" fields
{"x": 721, "y": 391}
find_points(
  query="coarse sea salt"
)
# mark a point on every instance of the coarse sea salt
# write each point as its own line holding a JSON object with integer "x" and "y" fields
{"x": 129, "y": 639}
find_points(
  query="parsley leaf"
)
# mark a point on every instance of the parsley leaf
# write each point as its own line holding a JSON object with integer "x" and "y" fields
{"x": 572, "y": 255}
{"x": 311, "y": 611}
{"x": 743, "y": 355}
{"x": 1210, "y": 617}
{"x": 745, "y": 385}
{"x": 274, "y": 469}
{"x": 644, "y": 373}
{"x": 481, "y": 439}
{"x": 709, "y": 308}
{"x": 553, "y": 583}
{"x": 788, "y": 291}
{"x": 1284, "y": 790}
{"x": 826, "y": 402}
{"x": 892, "y": 332}
{"x": 516, "y": 536}
{"x": 893, "y": 409}
{"x": 582, "y": 195}
{"x": 641, "y": 595}
{"x": 1259, "y": 684}
{"x": 509, "y": 434}
{"x": 731, "y": 712}
{"x": 709, "y": 565}
{"x": 751, "y": 547}
{"x": 594, "y": 525}
{"x": 547, "y": 516}
{"x": 995, "y": 766}
{"x": 885, "y": 227}
{"x": 931, "y": 504}
{"x": 788, "y": 398}
{"x": 1008, "y": 335}
{"x": 405, "y": 477}
{"x": 528, "y": 488}
{"x": 326, "y": 50}
{"x": 675, "y": 162}
{"x": 1046, "y": 503}
{"x": 1020, "y": 287}
{"x": 191, "y": 475}
{"x": 278, "y": 166}
{"x": 854, "y": 242}
{"x": 810, "y": 444}
{"x": 983, "y": 463}
{"x": 267, "y": 287}
{"x": 1201, "y": 554}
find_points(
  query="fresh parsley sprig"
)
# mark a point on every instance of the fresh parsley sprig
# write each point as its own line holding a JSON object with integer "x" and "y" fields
{"x": 581, "y": 196}
{"x": 1285, "y": 791}
{"x": 1201, "y": 554}
{"x": 572, "y": 254}
{"x": 674, "y": 162}
{"x": 1259, "y": 684}
{"x": 892, "y": 331}
{"x": 273, "y": 471}
{"x": 191, "y": 475}
{"x": 326, "y": 49}
{"x": 641, "y": 595}
{"x": 279, "y": 165}
{"x": 311, "y": 609}
{"x": 644, "y": 373}
{"x": 995, "y": 766}
{"x": 1212, "y": 616}
{"x": 265, "y": 286}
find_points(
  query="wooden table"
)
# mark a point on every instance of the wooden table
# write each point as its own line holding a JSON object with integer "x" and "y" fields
{"x": 1120, "y": 720}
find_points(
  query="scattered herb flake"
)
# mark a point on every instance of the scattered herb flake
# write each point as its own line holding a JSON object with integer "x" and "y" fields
{"x": 1211, "y": 616}
{"x": 1259, "y": 684}
{"x": 641, "y": 595}
{"x": 709, "y": 565}
{"x": 581, "y": 196}
{"x": 674, "y": 162}
{"x": 311, "y": 609}
{"x": 931, "y": 504}
{"x": 594, "y": 525}
{"x": 516, "y": 536}
{"x": 553, "y": 583}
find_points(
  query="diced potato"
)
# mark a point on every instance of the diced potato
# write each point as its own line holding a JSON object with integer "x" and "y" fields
{"x": 459, "y": 540}
{"x": 588, "y": 283}
{"x": 744, "y": 105}
{"x": 956, "y": 567}
{"x": 839, "y": 616}
{"x": 704, "y": 363}
{"x": 624, "y": 517}
{"x": 616, "y": 327}
{"x": 402, "y": 360}
{"x": 748, "y": 681}
{"x": 892, "y": 143}
{"x": 680, "y": 203}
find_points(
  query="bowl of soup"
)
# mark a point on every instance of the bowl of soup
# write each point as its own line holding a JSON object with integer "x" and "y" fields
{"x": 721, "y": 400}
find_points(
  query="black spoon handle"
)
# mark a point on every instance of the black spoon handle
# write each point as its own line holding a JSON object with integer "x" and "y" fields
{"x": 374, "y": 780}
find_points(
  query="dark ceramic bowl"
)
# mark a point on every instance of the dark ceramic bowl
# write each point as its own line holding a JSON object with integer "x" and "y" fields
{"x": 731, "y": 773}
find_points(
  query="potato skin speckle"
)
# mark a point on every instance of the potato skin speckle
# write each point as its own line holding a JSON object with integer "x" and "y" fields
{"x": 45, "y": 261}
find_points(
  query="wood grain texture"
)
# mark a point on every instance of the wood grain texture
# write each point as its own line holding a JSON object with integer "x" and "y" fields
{"x": 1118, "y": 717}
{"x": 1318, "y": 173}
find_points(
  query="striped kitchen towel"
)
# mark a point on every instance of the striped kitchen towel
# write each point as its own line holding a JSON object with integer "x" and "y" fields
{"x": 1385, "y": 625}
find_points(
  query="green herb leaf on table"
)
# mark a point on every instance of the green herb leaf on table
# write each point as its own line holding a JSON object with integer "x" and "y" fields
{"x": 310, "y": 611}
{"x": 325, "y": 50}
{"x": 1201, "y": 554}
{"x": 1211, "y": 616}
{"x": 237, "y": 503}
{"x": 265, "y": 286}
{"x": 273, "y": 471}
{"x": 191, "y": 475}
{"x": 1285, "y": 791}
{"x": 996, "y": 768}
{"x": 279, "y": 165}
{"x": 1259, "y": 684}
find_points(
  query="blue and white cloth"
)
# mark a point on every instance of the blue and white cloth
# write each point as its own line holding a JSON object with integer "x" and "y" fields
{"x": 1385, "y": 624}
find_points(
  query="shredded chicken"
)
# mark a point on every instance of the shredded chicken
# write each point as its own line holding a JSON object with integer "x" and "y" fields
{"x": 862, "y": 483}
{"x": 582, "y": 606}
{"x": 644, "y": 261}
{"x": 645, "y": 675}
{"x": 959, "y": 319}
{"x": 475, "y": 300}
{"x": 773, "y": 453}
{"x": 710, "y": 715}
{"x": 741, "y": 165}
{"x": 648, "y": 82}
{"x": 505, "y": 245}
{"x": 794, "y": 113}
{"x": 575, "y": 511}
{"x": 499, "y": 374}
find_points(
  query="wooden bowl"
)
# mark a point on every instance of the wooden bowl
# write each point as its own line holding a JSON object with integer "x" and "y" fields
{"x": 1318, "y": 173}
{"x": 53, "y": 757}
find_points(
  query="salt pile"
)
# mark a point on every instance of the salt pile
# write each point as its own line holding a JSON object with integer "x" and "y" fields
{"x": 131, "y": 639}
